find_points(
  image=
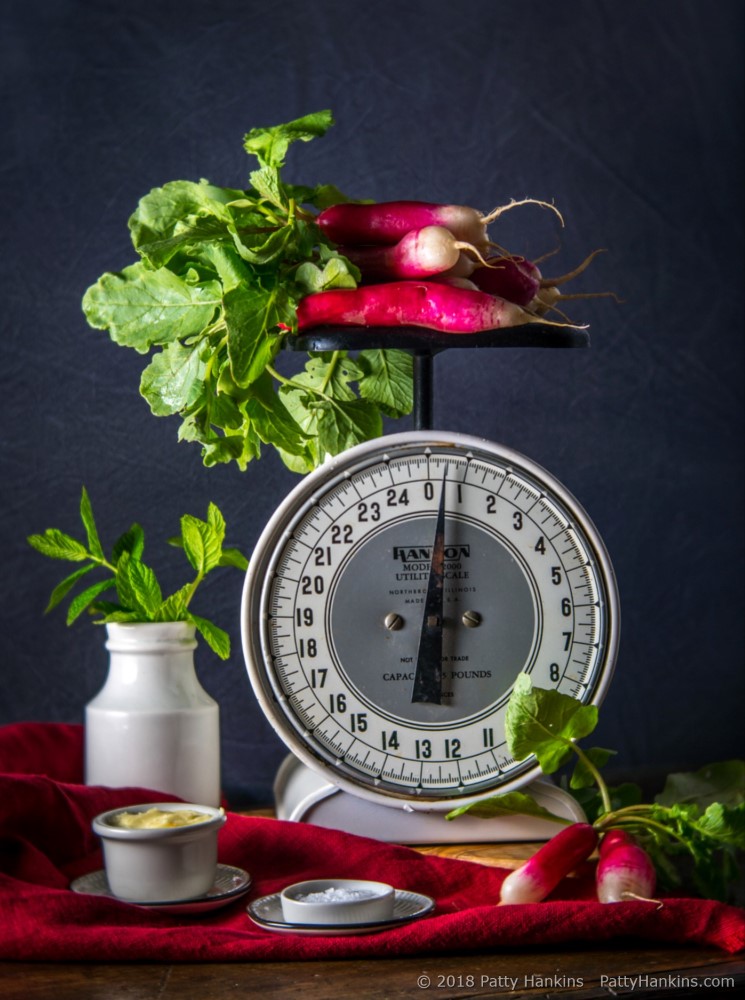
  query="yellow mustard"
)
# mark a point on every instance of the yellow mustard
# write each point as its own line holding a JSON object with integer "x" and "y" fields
{"x": 156, "y": 819}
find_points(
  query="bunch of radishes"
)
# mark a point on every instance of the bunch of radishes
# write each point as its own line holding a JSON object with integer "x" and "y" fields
{"x": 624, "y": 870}
{"x": 429, "y": 265}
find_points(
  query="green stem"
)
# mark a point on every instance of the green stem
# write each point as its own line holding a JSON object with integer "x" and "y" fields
{"x": 602, "y": 787}
{"x": 637, "y": 821}
{"x": 304, "y": 388}
{"x": 332, "y": 365}
{"x": 192, "y": 589}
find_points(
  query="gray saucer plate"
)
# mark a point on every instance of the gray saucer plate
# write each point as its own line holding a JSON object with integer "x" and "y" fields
{"x": 230, "y": 883}
{"x": 266, "y": 912}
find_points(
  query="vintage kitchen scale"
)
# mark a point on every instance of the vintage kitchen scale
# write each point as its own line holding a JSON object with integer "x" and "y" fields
{"x": 394, "y": 597}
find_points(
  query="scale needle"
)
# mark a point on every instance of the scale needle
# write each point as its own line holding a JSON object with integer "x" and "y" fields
{"x": 428, "y": 676}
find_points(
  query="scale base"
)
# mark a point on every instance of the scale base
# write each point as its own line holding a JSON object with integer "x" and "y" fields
{"x": 302, "y": 795}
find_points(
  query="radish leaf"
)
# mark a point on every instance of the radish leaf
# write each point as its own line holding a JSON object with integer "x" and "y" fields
{"x": 544, "y": 723}
{"x": 508, "y": 804}
{"x": 217, "y": 285}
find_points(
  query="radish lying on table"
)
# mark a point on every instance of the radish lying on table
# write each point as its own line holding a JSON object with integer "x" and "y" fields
{"x": 624, "y": 870}
{"x": 557, "y": 858}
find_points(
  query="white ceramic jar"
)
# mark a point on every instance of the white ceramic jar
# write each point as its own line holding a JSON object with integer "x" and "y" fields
{"x": 153, "y": 725}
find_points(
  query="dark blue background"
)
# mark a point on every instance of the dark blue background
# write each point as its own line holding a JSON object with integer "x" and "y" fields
{"x": 628, "y": 115}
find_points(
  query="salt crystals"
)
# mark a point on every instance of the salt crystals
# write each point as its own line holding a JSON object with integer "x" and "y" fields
{"x": 335, "y": 895}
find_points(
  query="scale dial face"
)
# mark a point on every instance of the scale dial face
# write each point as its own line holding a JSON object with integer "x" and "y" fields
{"x": 395, "y": 596}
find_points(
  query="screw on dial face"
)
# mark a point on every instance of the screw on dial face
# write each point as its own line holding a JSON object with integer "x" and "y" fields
{"x": 395, "y": 596}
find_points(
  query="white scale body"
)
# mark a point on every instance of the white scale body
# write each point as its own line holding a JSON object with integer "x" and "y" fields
{"x": 338, "y": 625}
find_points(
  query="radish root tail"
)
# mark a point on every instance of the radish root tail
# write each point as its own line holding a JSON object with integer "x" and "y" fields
{"x": 501, "y": 209}
{"x": 642, "y": 899}
{"x": 470, "y": 248}
{"x": 546, "y": 282}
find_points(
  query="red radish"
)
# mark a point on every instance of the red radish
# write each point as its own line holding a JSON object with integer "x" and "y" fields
{"x": 419, "y": 254}
{"x": 431, "y": 304}
{"x": 519, "y": 280}
{"x": 514, "y": 278}
{"x": 387, "y": 222}
{"x": 549, "y": 865}
{"x": 624, "y": 870}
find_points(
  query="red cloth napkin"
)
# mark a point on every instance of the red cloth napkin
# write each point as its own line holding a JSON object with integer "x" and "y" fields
{"x": 46, "y": 841}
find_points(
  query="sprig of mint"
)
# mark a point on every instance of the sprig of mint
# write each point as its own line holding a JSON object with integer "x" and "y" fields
{"x": 695, "y": 828}
{"x": 139, "y": 597}
{"x": 212, "y": 301}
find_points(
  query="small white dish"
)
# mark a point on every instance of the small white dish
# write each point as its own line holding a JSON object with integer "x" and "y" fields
{"x": 267, "y": 912}
{"x": 163, "y": 863}
{"x": 230, "y": 883}
{"x": 337, "y": 901}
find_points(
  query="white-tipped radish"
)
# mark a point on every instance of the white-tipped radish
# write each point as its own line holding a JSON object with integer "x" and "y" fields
{"x": 387, "y": 222}
{"x": 420, "y": 254}
{"x": 431, "y": 304}
{"x": 556, "y": 859}
{"x": 625, "y": 870}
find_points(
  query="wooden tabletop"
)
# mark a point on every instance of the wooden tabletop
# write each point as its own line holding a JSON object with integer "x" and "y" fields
{"x": 585, "y": 973}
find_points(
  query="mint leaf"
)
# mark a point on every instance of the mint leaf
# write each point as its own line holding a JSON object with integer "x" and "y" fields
{"x": 86, "y": 516}
{"x": 233, "y": 557}
{"x": 58, "y": 545}
{"x": 132, "y": 542}
{"x": 65, "y": 586}
{"x": 508, "y": 804}
{"x": 544, "y": 723}
{"x": 137, "y": 587}
{"x": 141, "y": 307}
{"x": 83, "y": 600}
{"x": 173, "y": 608}
{"x": 139, "y": 594}
{"x": 202, "y": 543}
{"x": 217, "y": 639}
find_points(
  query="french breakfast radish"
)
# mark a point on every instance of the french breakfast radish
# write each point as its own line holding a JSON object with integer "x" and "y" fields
{"x": 625, "y": 870}
{"x": 557, "y": 858}
{"x": 385, "y": 223}
{"x": 388, "y": 221}
{"x": 431, "y": 304}
{"x": 419, "y": 254}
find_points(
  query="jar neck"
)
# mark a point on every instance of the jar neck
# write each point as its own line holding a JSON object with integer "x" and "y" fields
{"x": 151, "y": 638}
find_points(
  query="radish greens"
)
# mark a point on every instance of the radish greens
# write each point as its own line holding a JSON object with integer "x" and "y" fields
{"x": 211, "y": 301}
